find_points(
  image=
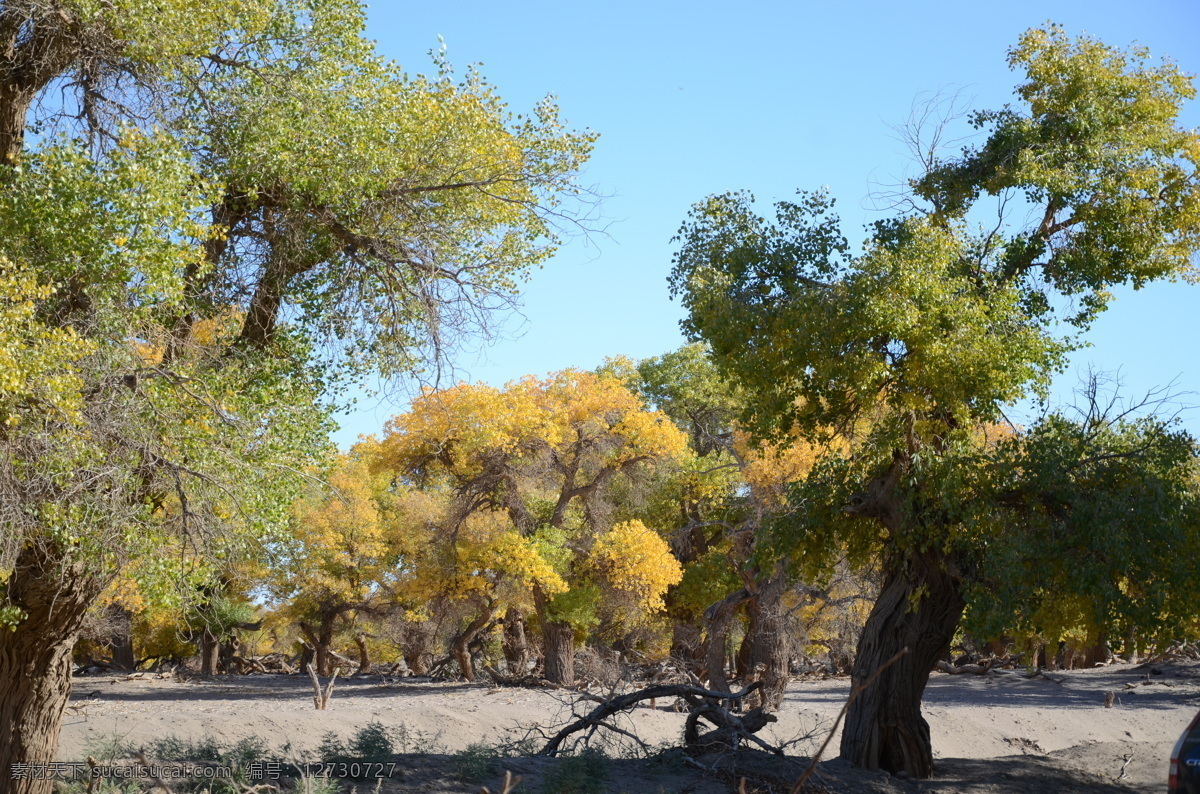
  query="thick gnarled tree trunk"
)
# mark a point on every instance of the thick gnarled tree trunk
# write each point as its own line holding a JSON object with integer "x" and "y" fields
{"x": 918, "y": 608}
{"x": 460, "y": 646}
{"x": 558, "y": 644}
{"x": 768, "y": 643}
{"x": 416, "y": 657}
{"x": 515, "y": 642}
{"x": 320, "y": 639}
{"x": 210, "y": 653}
{"x": 120, "y": 641}
{"x": 35, "y": 660}
{"x": 716, "y": 636}
{"x": 558, "y": 640}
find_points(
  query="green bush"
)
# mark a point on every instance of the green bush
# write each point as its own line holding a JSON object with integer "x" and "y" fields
{"x": 474, "y": 764}
{"x": 577, "y": 774}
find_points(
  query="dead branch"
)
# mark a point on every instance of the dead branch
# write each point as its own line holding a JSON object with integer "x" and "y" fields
{"x": 977, "y": 669}
{"x": 697, "y": 697}
{"x": 321, "y": 697}
{"x": 730, "y": 730}
{"x": 530, "y": 681}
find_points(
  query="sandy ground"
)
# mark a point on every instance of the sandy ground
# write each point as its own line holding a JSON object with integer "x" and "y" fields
{"x": 994, "y": 733}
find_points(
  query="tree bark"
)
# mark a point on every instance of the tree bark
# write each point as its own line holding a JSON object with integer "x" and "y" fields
{"x": 718, "y": 617}
{"x": 1131, "y": 648}
{"x": 364, "y": 653}
{"x": 14, "y": 107}
{"x": 687, "y": 643}
{"x": 53, "y": 592}
{"x": 559, "y": 641}
{"x": 515, "y": 643}
{"x": 34, "y": 52}
{"x": 414, "y": 656}
{"x": 307, "y": 656}
{"x": 768, "y": 657}
{"x": 121, "y": 639}
{"x": 1097, "y": 653}
{"x": 321, "y": 640}
{"x": 210, "y": 653}
{"x": 460, "y": 645}
{"x": 918, "y": 608}
{"x": 558, "y": 644}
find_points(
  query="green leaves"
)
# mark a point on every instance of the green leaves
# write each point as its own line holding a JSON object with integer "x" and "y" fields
{"x": 1106, "y": 509}
{"x": 910, "y": 351}
{"x": 398, "y": 210}
{"x": 1098, "y": 153}
{"x": 185, "y": 274}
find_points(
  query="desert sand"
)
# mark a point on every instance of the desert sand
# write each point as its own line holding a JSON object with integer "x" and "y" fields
{"x": 991, "y": 733}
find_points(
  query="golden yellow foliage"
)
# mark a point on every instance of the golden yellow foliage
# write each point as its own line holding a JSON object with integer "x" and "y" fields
{"x": 502, "y": 471}
{"x": 462, "y": 429}
{"x": 636, "y": 560}
{"x": 770, "y": 467}
{"x": 338, "y": 547}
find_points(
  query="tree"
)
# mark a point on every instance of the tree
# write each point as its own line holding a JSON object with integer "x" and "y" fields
{"x": 336, "y": 562}
{"x": 257, "y": 166}
{"x": 1124, "y": 491}
{"x": 546, "y": 453}
{"x": 722, "y": 503}
{"x": 460, "y": 569}
{"x": 935, "y": 328}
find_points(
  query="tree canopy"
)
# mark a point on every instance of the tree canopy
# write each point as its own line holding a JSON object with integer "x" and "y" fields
{"x": 210, "y": 217}
{"x": 911, "y": 349}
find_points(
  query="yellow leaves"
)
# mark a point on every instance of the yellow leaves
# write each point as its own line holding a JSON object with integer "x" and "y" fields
{"x": 769, "y": 468}
{"x": 636, "y": 560}
{"x": 124, "y": 590}
{"x": 825, "y": 618}
{"x": 542, "y": 442}
{"x": 340, "y": 549}
{"x": 488, "y": 544}
{"x": 460, "y": 426}
{"x": 459, "y": 430}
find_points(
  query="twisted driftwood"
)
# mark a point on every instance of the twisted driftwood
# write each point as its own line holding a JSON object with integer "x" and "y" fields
{"x": 702, "y": 703}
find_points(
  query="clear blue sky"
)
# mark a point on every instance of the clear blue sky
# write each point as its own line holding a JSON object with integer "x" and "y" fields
{"x": 695, "y": 98}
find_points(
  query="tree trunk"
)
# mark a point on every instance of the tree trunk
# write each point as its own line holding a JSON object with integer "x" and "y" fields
{"x": 687, "y": 643}
{"x": 919, "y": 607}
{"x": 307, "y": 657}
{"x": 768, "y": 658}
{"x": 364, "y": 653}
{"x": 414, "y": 656}
{"x": 558, "y": 644}
{"x": 325, "y": 648}
{"x": 14, "y": 107}
{"x": 460, "y": 645}
{"x": 35, "y": 660}
{"x": 321, "y": 641}
{"x": 121, "y": 639}
{"x": 1131, "y": 649}
{"x": 515, "y": 643}
{"x": 229, "y": 649}
{"x": 718, "y": 617}
{"x": 558, "y": 638}
{"x": 1097, "y": 653}
{"x": 210, "y": 653}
